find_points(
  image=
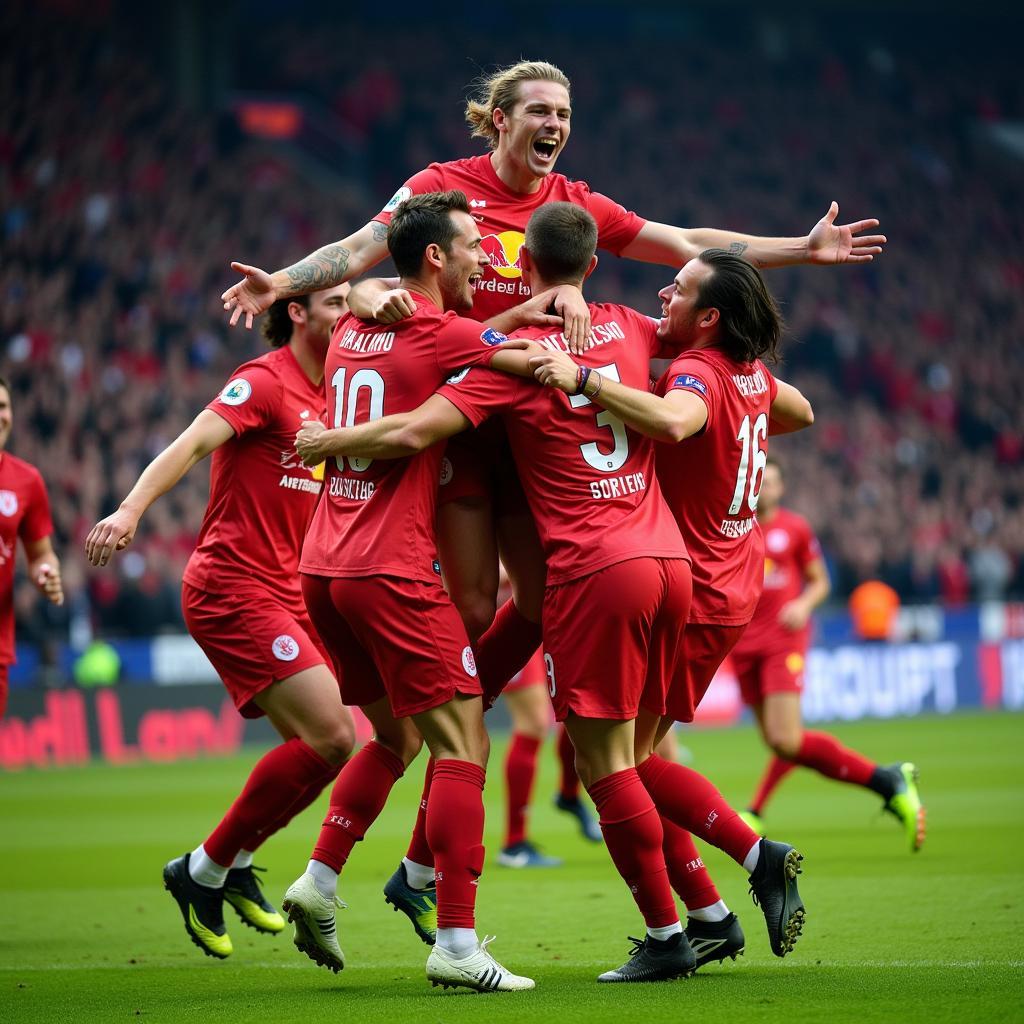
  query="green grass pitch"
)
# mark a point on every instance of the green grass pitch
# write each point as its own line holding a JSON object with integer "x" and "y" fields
{"x": 89, "y": 934}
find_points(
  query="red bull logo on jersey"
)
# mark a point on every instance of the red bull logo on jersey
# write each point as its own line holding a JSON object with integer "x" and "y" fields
{"x": 505, "y": 252}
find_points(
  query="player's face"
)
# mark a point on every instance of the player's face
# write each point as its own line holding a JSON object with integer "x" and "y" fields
{"x": 680, "y": 317}
{"x": 6, "y": 417}
{"x": 534, "y": 132}
{"x": 464, "y": 265}
{"x": 325, "y": 309}
{"x": 771, "y": 489}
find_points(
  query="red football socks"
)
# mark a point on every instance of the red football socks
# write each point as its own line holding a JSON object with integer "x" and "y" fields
{"x": 689, "y": 800}
{"x": 505, "y": 649}
{"x": 570, "y": 782}
{"x": 776, "y": 771}
{"x": 632, "y": 832}
{"x": 357, "y": 799}
{"x": 419, "y": 848}
{"x": 825, "y": 754}
{"x": 313, "y": 790}
{"x": 277, "y": 782}
{"x": 520, "y": 770}
{"x": 455, "y": 830}
{"x": 686, "y": 871}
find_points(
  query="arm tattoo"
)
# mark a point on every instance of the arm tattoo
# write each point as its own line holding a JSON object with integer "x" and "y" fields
{"x": 380, "y": 231}
{"x": 738, "y": 248}
{"x": 326, "y": 268}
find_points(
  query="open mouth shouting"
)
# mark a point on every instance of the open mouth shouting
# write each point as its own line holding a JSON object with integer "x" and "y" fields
{"x": 545, "y": 148}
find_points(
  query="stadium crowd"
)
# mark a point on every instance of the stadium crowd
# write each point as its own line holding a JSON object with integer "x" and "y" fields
{"x": 122, "y": 209}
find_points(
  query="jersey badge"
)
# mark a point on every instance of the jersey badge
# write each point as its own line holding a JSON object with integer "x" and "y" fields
{"x": 492, "y": 337}
{"x": 8, "y": 503}
{"x": 398, "y": 198}
{"x": 285, "y": 648}
{"x": 447, "y": 471}
{"x": 684, "y": 380}
{"x": 468, "y": 661}
{"x": 236, "y": 392}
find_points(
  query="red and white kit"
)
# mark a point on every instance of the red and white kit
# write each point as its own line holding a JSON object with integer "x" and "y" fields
{"x": 618, "y": 578}
{"x": 376, "y": 518}
{"x": 240, "y": 590}
{"x": 711, "y": 483}
{"x": 769, "y": 658}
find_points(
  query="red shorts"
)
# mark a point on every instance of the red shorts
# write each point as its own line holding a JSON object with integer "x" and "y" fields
{"x": 394, "y": 638}
{"x": 5, "y": 671}
{"x": 478, "y": 466}
{"x": 702, "y": 651}
{"x": 612, "y": 638}
{"x": 533, "y": 673}
{"x": 779, "y": 671}
{"x": 252, "y": 639}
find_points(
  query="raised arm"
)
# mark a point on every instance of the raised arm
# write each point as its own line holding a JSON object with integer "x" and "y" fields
{"x": 673, "y": 418}
{"x": 789, "y": 412}
{"x": 205, "y": 433}
{"x": 329, "y": 266}
{"x": 826, "y": 243}
{"x": 391, "y": 437}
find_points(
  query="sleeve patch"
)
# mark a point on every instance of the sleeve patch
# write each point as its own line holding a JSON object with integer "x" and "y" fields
{"x": 397, "y": 199}
{"x": 493, "y": 337}
{"x": 686, "y": 380}
{"x": 236, "y": 391}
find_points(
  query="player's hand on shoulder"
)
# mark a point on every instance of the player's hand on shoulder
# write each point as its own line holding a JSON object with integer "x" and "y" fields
{"x": 49, "y": 582}
{"x": 572, "y": 307}
{"x": 112, "y": 534}
{"x": 538, "y": 310}
{"x": 556, "y": 370}
{"x": 307, "y": 442}
{"x": 830, "y": 242}
{"x": 253, "y": 295}
{"x": 393, "y": 305}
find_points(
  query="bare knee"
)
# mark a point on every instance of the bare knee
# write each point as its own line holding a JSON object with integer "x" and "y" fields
{"x": 477, "y": 610}
{"x": 405, "y": 744}
{"x": 334, "y": 741}
{"x": 784, "y": 742}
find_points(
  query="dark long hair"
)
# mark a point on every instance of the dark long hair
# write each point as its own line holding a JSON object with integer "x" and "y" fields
{"x": 277, "y": 324}
{"x": 751, "y": 324}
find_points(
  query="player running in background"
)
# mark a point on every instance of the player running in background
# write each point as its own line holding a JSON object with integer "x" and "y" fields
{"x": 372, "y": 584}
{"x": 24, "y": 515}
{"x": 719, "y": 318}
{"x": 618, "y": 574}
{"x": 769, "y": 661}
{"x": 244, "y": 607}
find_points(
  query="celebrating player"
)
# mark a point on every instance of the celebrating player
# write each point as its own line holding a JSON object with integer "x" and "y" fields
{"x": 372, "y": 584}
{"x": 244, "y": 607}
{"x": 769, "y": 663}
{"x": 619, "y": 572}
{"x": 24, "y": 514}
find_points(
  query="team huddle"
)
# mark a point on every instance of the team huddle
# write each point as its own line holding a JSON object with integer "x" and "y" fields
{"x": 355, "y": 547}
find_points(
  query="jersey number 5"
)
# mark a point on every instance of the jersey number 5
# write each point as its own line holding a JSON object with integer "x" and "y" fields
{"x": 752, "y": 459}
{"x": 347, "y": 401}
{"x": 605, "y": 462}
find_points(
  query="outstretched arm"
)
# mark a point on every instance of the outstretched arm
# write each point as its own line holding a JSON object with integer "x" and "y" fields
{"x": 789, "y": 412}
{"x": 391, "y": 437}
{"x": 826, "y": 243}
{"x": 205, "y": 433}
{"x": 329, "y": 266}
{"x": 676, "y": 416}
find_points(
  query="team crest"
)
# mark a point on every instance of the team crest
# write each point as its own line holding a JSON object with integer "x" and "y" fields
{"x": 490, "y": 336}
{"x": 285, "y": 648}
{"x": 236, "y": 392}
{"x": 468, "y": 661}
{"x": 8, "y": 503}
{"x": 776, "y": 540}
{"x": 446, "y": 471}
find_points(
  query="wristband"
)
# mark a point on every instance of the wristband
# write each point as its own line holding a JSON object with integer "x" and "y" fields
{"x": 582, "y": 376}
{"x": 600, "y": 384}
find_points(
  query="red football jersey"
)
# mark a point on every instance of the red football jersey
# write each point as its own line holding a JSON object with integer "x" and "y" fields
{"x": 789, "y": 547}
{"x": 502, "y": 215}
{"x": 711, "y": 481}
{"x": 588, "y": 477}
{"x": 24, "y": 513}
{"x": 261, "y": 496}
{"x": 377, "y": 516}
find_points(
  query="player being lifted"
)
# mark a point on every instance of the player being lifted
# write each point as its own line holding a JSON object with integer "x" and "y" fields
{"x": 524, "y": 114}
{"x": 618, "y": 582}
{"x": 244, "y": 607}
{"x": 769, "y": 661}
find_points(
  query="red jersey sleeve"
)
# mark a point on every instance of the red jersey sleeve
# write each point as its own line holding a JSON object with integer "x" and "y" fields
{"x": 36, "y": 523}
{"x": 616, "y": 226}
{"x": 250, "y": 400}
{"x": 463, "y": 342}
{"x": 430, "y": 179}
{"x": 479, "y": 393}
{"x": 695, "y": 376}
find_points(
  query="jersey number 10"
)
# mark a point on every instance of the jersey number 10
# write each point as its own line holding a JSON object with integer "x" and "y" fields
{"x": 347, "y": 401}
